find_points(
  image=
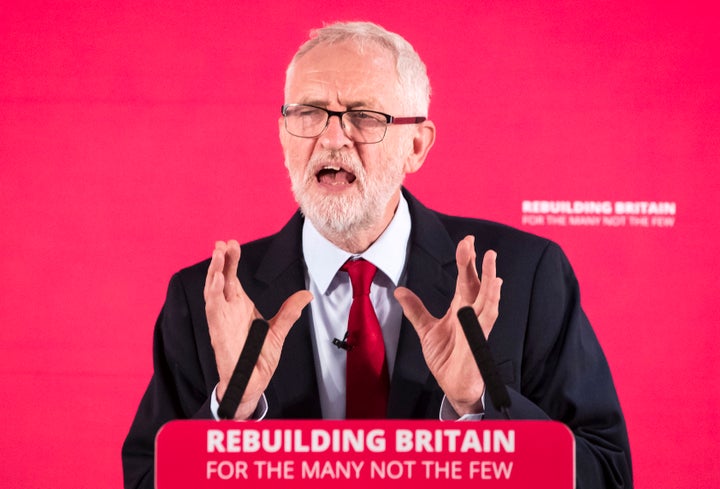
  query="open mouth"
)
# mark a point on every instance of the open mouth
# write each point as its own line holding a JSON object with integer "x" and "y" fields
{"x": 335, "y": 175}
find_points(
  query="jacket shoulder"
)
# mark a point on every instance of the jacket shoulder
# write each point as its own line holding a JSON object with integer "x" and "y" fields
{"x": 494, "y": 235}
{"x": 251, "y": 252}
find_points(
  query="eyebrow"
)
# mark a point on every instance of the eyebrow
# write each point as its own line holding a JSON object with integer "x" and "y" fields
{"x": 366, "y": 104}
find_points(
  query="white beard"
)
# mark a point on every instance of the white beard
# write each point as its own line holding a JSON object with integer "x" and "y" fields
{"x": 339, "y": 217}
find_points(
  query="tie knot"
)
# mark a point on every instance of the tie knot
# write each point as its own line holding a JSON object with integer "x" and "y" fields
{"x": 361, "y": 275}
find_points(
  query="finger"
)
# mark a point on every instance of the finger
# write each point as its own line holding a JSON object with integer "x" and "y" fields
{"x": 290, "y": 312}
{"x": 488, "y": 276}
{"x": 468, "y": 282}
{"x": 232, "y": 258}
{"x": 214, "y": 297}
{"x": 414, "y": 310}
{"x": 489, "y": 268}
{"x": 232, "y": 252}
{"x": 490, "y": 308}
{"x": 217, "y": 263}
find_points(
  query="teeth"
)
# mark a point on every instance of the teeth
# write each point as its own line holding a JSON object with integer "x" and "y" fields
{"x": 333, "y": 168}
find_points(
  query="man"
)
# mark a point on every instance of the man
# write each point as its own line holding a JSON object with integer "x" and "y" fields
{"x": 353, "y": 125}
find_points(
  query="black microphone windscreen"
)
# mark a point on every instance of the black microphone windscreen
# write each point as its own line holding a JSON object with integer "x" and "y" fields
{"x": 243, "y": 369}
{"x": 483, "y": 357}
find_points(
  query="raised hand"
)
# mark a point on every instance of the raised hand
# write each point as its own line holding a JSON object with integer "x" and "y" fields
{"x": 444, "y": 345}
{"x": 230, "y": 313}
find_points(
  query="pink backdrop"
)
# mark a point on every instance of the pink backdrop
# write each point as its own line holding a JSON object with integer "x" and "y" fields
{"x": 132, "y": 135}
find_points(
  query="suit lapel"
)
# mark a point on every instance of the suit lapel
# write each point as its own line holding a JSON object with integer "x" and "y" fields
{"x": 292, "y": 392}
{"x": 431, "y": 274}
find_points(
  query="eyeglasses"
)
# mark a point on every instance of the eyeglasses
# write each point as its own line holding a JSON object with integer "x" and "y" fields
{"x": 362, "y": 126}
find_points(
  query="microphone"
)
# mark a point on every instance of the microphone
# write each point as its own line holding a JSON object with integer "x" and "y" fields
{"x": 343, "y": 343}
{"x": 483, "y": 357}
{"x": 243, "y": 369}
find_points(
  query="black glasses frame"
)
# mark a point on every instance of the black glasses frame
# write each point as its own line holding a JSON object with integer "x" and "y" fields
{"x": 389, "y": 119}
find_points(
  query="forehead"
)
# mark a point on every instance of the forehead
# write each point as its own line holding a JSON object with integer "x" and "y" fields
{"x": 345, "y": 74}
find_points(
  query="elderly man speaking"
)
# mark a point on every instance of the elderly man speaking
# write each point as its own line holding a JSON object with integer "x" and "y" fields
{"x": 362, "y": 286}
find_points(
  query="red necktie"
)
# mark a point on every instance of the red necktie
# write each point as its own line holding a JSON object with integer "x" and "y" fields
{"x": 367, "y": 372}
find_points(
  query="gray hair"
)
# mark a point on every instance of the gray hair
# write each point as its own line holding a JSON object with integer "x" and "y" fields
{"x": 412, "y": 74}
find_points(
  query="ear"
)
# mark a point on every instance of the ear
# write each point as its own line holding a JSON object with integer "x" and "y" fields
{"x": 281, "y": 130}
{"x": 283, "y": 134}
{"x": 423, "y": 139}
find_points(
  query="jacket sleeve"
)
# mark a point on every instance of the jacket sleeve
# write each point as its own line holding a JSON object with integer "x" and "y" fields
{"x": 180, "y": 386}
{"x": 565, "y": 377}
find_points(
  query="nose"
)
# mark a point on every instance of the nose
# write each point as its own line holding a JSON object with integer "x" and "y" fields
{"x": 334, "y": 136}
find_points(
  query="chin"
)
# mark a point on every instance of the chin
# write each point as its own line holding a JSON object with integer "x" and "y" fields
{"x": 340, "y": 214}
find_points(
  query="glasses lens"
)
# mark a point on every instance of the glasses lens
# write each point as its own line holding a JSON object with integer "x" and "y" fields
{"x": 305, "y": 121}
{"x": 365, "y": 126}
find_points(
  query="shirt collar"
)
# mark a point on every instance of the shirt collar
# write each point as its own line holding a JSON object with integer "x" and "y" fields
{"x": 387, "y": 253}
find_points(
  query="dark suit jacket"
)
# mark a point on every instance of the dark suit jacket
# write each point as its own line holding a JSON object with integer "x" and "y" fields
{"x": 544, "y": 346}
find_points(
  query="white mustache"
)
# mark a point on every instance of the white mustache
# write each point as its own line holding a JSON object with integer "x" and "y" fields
{"x": 348, "y": 162}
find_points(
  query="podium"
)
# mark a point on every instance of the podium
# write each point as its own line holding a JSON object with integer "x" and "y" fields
{"x": 373, "y": 454}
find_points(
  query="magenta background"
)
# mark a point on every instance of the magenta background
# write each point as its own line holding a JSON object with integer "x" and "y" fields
{"x": 134, "y": 134}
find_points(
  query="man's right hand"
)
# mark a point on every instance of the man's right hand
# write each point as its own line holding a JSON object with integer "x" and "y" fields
{"x": 230, "y": 312}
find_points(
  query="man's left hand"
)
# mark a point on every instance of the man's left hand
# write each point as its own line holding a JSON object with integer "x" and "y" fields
{"x": 444, "y": 345}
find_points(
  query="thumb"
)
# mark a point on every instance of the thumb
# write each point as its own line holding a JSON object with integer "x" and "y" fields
{"x": 290, "y": 312}
{"x": 414, "y": 310}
